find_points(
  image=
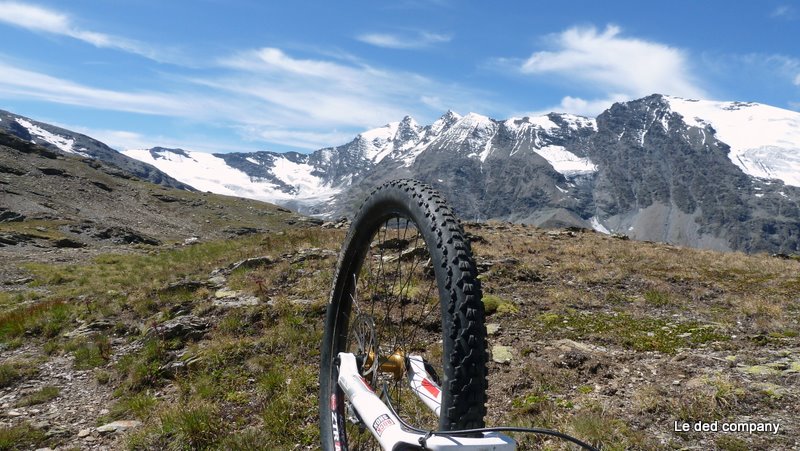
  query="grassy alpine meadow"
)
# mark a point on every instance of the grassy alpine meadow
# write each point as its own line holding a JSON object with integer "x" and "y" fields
{"x": 610, "y": 340}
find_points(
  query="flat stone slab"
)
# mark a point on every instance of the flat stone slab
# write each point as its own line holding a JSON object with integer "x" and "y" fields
{"x": 118, "y": 426}
{"x": 502, "y": 354}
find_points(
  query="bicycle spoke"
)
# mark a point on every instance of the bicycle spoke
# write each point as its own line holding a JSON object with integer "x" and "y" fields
{"x": 391, "y": 310}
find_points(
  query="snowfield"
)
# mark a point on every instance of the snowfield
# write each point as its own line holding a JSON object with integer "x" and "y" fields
{"x": 207, "y": 172}
{"x": 764, "y": 140}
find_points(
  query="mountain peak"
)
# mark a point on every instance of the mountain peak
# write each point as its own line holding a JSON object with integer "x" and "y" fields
{"x": 450, "y": 116}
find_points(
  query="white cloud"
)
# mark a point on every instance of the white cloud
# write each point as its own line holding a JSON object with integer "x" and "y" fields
{"x": 577, "y": 105}
{"x": 396, "y": 41}
{"x": 43, "y": 20}
{"x": 783, "y": 12}
{"x": 265, "y": 95}
{"x": 309, "y": 139}
{"x": 613, "y": 66}
{"x": 309, "y": 92}
{"x": 23, "y": 83}
{"x": 797, "y": 80}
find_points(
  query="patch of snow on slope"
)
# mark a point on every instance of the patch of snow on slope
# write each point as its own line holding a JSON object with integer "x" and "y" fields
{"x": 299, "y": 176}
{"x": 764, "y": 140}
{"x": 206, "y": 172}
{"x": 577, "y": 122}
{"x": 566, "y": 162}
{"x": 596, "y": 225}
{"x": 543, "y": 122}
{"x": 63, "y": 143}
{"x": 475, "y": 131}
{"x": 378, "y": 141}
{"x": 517, "y": 125}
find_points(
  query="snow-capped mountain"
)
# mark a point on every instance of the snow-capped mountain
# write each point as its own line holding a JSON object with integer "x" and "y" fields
{"x": 67, "y": 141}
{"x": 321, "y": 182}
{"x": 693, "y": 172}
{"x": 723, "y": 175}
{"x": 764, "y": 141}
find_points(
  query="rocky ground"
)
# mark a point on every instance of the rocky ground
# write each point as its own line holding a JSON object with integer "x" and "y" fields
{"x": 214, "y": 345}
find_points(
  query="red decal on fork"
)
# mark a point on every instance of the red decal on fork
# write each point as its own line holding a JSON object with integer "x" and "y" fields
{"x": 366, "y": 384}
{"x": 432, "y": 389}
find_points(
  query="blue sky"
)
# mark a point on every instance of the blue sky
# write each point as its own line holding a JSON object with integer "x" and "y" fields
{"x": 246, "y": 75}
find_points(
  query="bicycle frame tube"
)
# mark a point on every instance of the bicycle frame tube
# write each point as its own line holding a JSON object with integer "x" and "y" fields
{"x": 386, "y": 427}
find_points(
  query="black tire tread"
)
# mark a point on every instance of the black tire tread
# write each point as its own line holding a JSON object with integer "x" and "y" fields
{"x": 468, "y": 382}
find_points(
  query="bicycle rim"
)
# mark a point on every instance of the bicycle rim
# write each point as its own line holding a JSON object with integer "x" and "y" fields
{"x": 394, "y": 297}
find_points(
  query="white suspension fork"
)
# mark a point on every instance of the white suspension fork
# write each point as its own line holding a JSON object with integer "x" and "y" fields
{"x": 386, "y": 427}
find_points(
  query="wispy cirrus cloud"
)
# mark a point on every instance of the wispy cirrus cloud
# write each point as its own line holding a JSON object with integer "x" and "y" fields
{"x": 783, "y": 12}
{"x": 612, "y": 66}
{"x": 342, "y": 94}
{"x": 415, "y": 40}
{"x": 44, "y": 20}
{"x": 23, "y": 83}
{"x": 265, "y": 95}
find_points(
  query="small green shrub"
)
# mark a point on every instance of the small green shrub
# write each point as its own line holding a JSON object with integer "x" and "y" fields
{"x": 8, "y": 374}
{"x": 20, "y": 437}
{"x": 495, "y": 304}
{"x": 90, "y": 353}
{"x": 40, "y": 396}
{"x": 656, "y": 298}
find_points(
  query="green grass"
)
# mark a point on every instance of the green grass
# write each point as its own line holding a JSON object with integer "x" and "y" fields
{"x": 47, "y": 318}
{"x": 657, "y": 298}
{"x": 602, "y": 430}
{"x": 14, "y": 370}
{"x": 20, "y": 437}
{"x": 8, "y": 374}
{"x": 623, "y": 329}
{"x": 252, "y": 380}
{"x": 190, "y": 426}
{"x": 141, "y": 370}
{"x": 117, "y": 284}
{"x": 40, "y": 396}
{"x": 90, "y": 352}
{"x": 496, "y": 304}
{"x": 36, "y": 228}
{"x": 140, "y": 405}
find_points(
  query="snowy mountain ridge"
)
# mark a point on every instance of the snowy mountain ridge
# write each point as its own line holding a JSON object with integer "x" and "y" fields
{"x": 764, "y": 140}
{"x": 303, "y": 180}
{"x": 722, "y": 175}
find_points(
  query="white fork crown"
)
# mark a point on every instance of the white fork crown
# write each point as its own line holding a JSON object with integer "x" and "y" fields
{"x": 388, "y": 429}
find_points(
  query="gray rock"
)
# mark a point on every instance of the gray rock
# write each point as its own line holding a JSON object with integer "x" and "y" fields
{"x": 68, "y": 243}
{"x": 118, "y": 426}
{"x": 251, "y": 263}
{"x": 187, "y": 327}
{"x": 236, "y": 301}
{"x": 502, "y": 354}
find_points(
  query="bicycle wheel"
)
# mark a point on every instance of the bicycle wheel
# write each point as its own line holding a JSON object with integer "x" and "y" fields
{"x": 405, "y": 284}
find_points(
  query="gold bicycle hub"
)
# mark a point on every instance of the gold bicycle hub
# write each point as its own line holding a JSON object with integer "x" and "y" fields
{"x": 394, "y": 364}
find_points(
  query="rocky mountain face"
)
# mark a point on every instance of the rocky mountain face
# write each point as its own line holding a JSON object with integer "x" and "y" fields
{"x": 49, "y": 199}
{"x": 664, "y": 176}
{"x": 67, "y": 141}
{"x": 720, "y": 175}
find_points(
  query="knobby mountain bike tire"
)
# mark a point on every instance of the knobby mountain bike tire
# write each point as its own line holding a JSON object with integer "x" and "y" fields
{"x": 405, "y": 284}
